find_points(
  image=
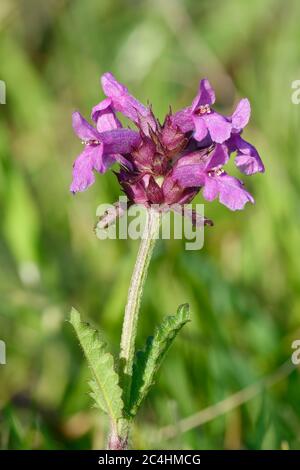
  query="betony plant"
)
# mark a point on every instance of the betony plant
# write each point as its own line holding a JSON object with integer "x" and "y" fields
{"x": 161, "y": 166}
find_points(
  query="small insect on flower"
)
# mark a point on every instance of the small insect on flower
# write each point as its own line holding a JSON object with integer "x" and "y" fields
{"x": 166, "y": 163}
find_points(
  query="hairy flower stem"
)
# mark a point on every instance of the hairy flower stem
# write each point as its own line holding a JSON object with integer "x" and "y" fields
{"x": 129, "y": 331}
{"x": 134, "y": 295}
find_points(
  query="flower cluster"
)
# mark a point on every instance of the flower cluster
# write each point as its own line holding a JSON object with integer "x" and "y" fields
{"x": 166, "y": 163}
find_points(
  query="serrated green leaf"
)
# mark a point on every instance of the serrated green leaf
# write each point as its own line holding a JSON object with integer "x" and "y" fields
{"x": 148, "y": 361}
{"x": 105, "y": 384}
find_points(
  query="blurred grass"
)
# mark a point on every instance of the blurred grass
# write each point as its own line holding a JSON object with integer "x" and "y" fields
{"x": 243, "y": 286}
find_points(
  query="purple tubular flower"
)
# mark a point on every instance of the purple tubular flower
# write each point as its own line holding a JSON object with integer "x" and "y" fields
{"x": 203, "y": 120}
{"x": 206, "y": 170}
{"x": 169, "y": 163}
{"x": 100, "y": 151}
{"x": 206, "y": 119}
{"x": 125, "y": 103}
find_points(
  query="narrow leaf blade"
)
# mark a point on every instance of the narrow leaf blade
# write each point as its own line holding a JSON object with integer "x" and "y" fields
{"x": 148, "y": 361}
{"x": 105, "y": 389}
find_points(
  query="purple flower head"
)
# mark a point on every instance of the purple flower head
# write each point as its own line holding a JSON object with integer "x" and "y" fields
{"x": 166, "y": 163}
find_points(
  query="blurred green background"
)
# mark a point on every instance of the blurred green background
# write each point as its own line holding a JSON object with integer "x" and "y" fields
{"x": 243, "y": 287}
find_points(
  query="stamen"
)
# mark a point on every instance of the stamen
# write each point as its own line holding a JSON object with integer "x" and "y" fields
{"x": 91, "y": 142}
{"x": 204, "y": 109}
{"x": 216, "y": 172}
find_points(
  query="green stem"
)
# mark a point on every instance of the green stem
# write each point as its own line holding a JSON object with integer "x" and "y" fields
{"x": 135, "y": 292}
{"x": 127, "y": 346}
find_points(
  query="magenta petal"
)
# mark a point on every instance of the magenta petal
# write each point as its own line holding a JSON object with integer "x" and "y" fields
{"x": 200, "y": 128}
{"x": 230, "y": 190}
{"x": 206, "y": 95}
{"x": 249, "y": 164}
{"x": 211, "y": 189}
{"x": 82, "y": 128}
{"x": 111, "y": 87}
{"x": 247, "y": 160}
{"x": 191, "y": 158}
{"x": 103, "y": 106}
{"x": 241, "y": 115}
{"x": 232, "y": 193}
{"x": 189, "y": 176}
{"x": 83, "y": 175}
{"x": 189, "y": 171}
{"x": 219, "y": 128}
{"x": 97, "y": 158}
{"x": 120, "y": 141}
{"x": 146, "y": 121}
{"x": 121, "y": 100}
{"x": 218, "y": 158}
{"x": 92, "y": 158}
{"x": 183, "y": 119}
{"x": 104, "y": 116}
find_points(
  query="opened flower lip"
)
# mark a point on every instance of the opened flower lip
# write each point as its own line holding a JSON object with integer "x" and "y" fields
{"x": 166, "y": 163}
{"x": 229, "y": 190}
